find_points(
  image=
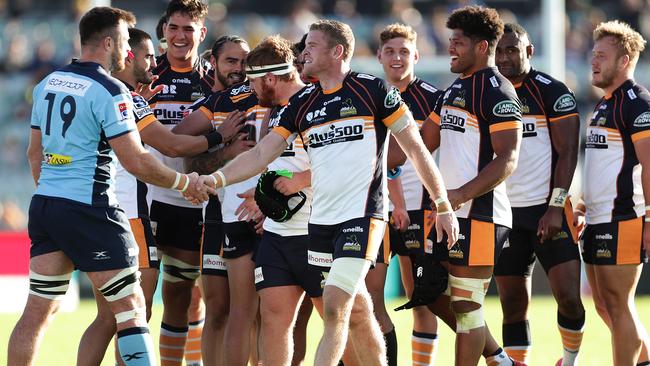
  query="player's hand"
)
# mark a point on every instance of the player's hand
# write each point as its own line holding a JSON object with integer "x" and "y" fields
{"x": 550, "y": 224}
{"x": 456, "y": 198}
{"x": 194, "y": 193}
{"x": 259, "y": 225}
{"x": 579, "y": 222}
{"x": 207, "y": 184}
{"x": 287, "y": 186}
{"x": 146, "y": 91}
{"x": 447, "y": 223}
{"x": 400, "y": 219}
{"x": 248, "y": 210}
{"x": 238, "y": 146}
{"x": 231, "y": 125}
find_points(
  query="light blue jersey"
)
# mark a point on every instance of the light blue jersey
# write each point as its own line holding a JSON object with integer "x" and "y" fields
{"x": 78, "y": 109}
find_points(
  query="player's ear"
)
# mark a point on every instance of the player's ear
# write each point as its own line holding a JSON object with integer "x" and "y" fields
{"x": 416, "y": 56}
{"x": 624, "y": 61}
{"x": 338, "y": 51}
{"x": 204, "y": 31}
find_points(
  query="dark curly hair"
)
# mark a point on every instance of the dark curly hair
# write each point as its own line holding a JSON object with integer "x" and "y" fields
{"x": 195, "y": 9}
{"x": 478, "y": 23}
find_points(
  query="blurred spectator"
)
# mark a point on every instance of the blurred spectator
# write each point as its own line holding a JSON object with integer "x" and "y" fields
{"x": 11, "y": 217}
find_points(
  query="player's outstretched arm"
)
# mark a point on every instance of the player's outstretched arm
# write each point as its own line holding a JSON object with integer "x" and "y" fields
{"x": 196, "y": 123}
{"x": 144, "y": 166}
{"x": 35, "y": 153}
{"x": 173, "y": 145}
{"x": 247, "y": 164}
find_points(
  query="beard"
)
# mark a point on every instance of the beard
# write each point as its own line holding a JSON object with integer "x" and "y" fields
{"x": 228, "y": 80}
{"x": 117, "y": 62}
{"x": 606, "y": 79}
{"x": 266, "y": 97}
{"x": 142, "y": 76}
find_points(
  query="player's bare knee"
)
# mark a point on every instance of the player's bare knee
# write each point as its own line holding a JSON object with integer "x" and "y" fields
{"x": 570, "y": 305}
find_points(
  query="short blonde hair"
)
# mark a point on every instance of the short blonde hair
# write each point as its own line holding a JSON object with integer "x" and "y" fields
{"x": 630, "y": 42}
{"x": 397, "y": 30}
{"x": 337, "y": 33}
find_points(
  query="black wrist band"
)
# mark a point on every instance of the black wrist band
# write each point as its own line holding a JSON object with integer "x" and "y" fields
{"x": 214, "y": 139}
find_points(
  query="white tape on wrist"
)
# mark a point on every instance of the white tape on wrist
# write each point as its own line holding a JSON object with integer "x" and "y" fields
{"x": 214, "y": 180}
{"x": 558, "y": 197}
{"x": 187, "y": 184}
{"x": 647, "y": 208}
{"x": 219, "y": 173}
{"x": 176, "y": 181}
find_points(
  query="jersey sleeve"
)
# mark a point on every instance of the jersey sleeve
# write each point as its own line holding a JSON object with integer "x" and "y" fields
{"x": 559, "y": 102}
{"x": 116, "y": 115}
{"x": 287, "y": 126}
{"x": 207, "y": 105}
{"x": 36, "y": 113}
{"x": 434, "y": 116}
{"x": 639, "y": 115}
{"x": 142, "y": 112}
{"x": 388, "y": 100}
{"x": 501, "y": 108}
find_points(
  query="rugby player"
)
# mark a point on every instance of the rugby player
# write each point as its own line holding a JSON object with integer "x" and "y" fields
{"x": 408, "y": 231}
{"x": 131, "y": 193}
{"x": 346, "y": 144}
{"x": 616, "y": 188}
{"x": 177, "y": 225}
{"x": 538, "y": 192}
{"x": 478, "y": 121}
{"x": 239, "y": 213}
{"x": 282, "y": 273}
{"x": 227, "y": 57}
{"x": 80, "y": 116}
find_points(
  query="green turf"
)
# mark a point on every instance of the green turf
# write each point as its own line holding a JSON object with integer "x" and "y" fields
{"x": 62, "y": 338}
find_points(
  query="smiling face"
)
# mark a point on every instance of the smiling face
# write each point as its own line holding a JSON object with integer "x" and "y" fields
{"x": 183, "y": 35}
{"x": 513, "y": 55}
{"x": 605, "y": 62}
{"x": 229, "y": 66}
{"x": 398, "y": 57}
{"x": 462, "y": 52}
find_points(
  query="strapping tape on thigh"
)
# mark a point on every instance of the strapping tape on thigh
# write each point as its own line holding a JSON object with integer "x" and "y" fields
{"x": 175, "y": 270}
{"x": 467, "y": 289}
{"x": 49, "y": 287}
{"x": 121, "y": 285}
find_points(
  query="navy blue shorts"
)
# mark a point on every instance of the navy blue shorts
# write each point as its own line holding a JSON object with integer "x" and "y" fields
{"x": 94, "y": 238}
{"x": 413, "y": 239}
{"x": 518, "y": 257}
{"x": 177, "y": 227}
{"x": 240, "y": 239}
{"x": 355, "y": 238}
{"x": 212, "y": 262}
{"x": 614, "y": 243}
{"x": 282, "y": 261}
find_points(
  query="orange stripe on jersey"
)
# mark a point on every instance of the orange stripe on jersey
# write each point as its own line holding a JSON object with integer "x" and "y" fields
{"x": 206, "y": 112}
{"x": 640, "y": 135}
{"x": 143, "y": 249}
{"x": 146, "y": 121}
{"x": 182, "y": 69}
{"x": 557, "y": 119}
{"x": 388, "y": 121}
{"x": 630, "y": 233}
{"x": 282, "y": 132}
{"x": 435, "y": 118}
{"x": 481, "y": 244}
{"x": 376, "y": 231}
{"x": 333, "y": 90}
{"x": 502, "y": 126}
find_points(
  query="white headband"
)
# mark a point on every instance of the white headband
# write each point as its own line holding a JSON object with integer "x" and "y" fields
{"x": 277, "y": 69}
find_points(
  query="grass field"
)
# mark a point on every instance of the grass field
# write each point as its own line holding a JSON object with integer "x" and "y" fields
{"x": 62, "y": 338}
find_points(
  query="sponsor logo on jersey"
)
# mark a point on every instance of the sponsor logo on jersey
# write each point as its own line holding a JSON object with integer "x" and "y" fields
{"x": 506, "y": 108}
{"x": 316, "y": 116}
{"x": 428, "y": 87}
{"x": 459, "y": 101}
{"x": 122, "y": 109}
{"x": 542, "y": 79}
{"x": 168, "y": 89}
{"x": 529, "y": 129}
{"x": 564, "y": 103}
{"x": 244, "y": 88}
{"x": 182, "y": 81}
{"x": 451, "y": 121}
{"x": 352, "y": 244}
{"x": 335, "y": 135}
{"x": 393, "y": 97}
{"x": 57, "y": 159}
{"x": 366, "y": 76}
{"x": 307, "y": 91}
{"x": 259, "y": 276}
{"x": 68, "y": 84}
{"x": 631, "y": 94}
{"x": 348, "y": 109}
{"x": 494, "y": 81}
{"x": 356, "y": 229}
{"x": 596, "y": 140}
{"x": 170, "y": 113}
{"x": 525, "y": 109}
{"x": 643, "y": 120}
{"x": 213, "y": 261}
{"x": 335, "y": 99}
